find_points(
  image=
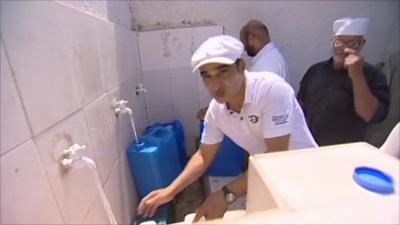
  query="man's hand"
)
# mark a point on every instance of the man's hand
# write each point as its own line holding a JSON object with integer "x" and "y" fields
{"x": 365, "y": 102}
{"x": 149, "y": 204}
{"x": 353, "y": 62}
{"x": 213, "y": 207}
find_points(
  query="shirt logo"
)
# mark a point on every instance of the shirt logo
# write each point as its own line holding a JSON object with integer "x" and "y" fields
{"x": 253, "y": 118}
{"x": 280, "y": 119}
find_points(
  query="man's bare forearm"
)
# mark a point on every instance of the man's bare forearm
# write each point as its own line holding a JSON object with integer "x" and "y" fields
{"x": 239, "y": 185}
{"x": 193, "y": 170}
{"x": 365, "y": 102}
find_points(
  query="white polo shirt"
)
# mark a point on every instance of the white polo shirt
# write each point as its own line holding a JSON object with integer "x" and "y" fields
{"x": 270, "y": 109}
{"x": 269, "y": 58}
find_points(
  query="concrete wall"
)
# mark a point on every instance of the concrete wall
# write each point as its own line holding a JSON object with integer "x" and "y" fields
{"x": 60, "y": 71}
{"x": 301, "y": 29}
{"x": 116, "y": 11}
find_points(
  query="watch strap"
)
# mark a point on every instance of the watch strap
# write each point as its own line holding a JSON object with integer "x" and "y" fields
{"x": 230, "y": 197}
{"x": 226, "y": 190}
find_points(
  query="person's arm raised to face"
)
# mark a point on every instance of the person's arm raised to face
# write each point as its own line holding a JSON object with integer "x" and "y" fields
{"x": 365, "y": 102}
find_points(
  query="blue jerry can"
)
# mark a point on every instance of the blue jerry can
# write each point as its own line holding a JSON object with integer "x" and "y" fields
{"x": 154, "y": 162}
{"x": 177, "y": 127}
{"x": 229, "y": 160}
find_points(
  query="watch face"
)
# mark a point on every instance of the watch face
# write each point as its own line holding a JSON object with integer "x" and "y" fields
{"x": 230, "y": 197}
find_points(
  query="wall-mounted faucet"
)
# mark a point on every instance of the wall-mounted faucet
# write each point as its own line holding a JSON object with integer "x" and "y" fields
{"x": 121, "y": 107}
{"x": 140, "y": 88}
{"x": 68, "y": 156}
{"x": 73, "y": 157}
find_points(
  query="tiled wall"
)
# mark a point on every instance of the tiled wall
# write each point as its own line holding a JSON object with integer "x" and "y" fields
{"x": 60, "y": 71}
{"x": 116, "y": 11}
{"x": 174, "y": 92}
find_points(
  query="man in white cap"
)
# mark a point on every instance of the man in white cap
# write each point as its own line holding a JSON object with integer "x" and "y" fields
{"x": 257, "y": 110}
{"x": 342, "y": 95}
{"x": 265, "y": 55}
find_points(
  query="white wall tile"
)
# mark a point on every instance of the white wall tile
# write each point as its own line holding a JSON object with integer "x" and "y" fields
{"x": 120, "y": 12}
{"x": 105, "y": 35}
{"x": 156, "y": 74}
{"x": 179, "y": 44}
{"x": 41, "y": 56}
{"x": 133, "y": 55}
{"x": 122, "y": 192}
{"x": 127, "y": 54}
{"x": 99, "y": 117}
{"x": 187, "y": 115}
{"x": 201, "y": 34}
{"x": 75, "y": 190}
{"x": 184, "y": 86}
{"x": 80, "y": 29}
{"x": 128, "y": 194}
{"x": 158, "y": 90}
{"x": 154, "y": 51}
{"x": 96, "y": 8}
{"x": 26, "y": 196}
{"x": 97, "y": 213}
{"x": 14, "y": 126}
{"x": 119, "y": 54}
{"x": 161, "y": 114}
{"x": 64, "y": 59}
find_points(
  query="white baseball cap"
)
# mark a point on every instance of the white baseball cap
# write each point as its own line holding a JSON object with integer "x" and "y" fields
{"x": 351, "y": 26}
{"x": 222, "y": 49}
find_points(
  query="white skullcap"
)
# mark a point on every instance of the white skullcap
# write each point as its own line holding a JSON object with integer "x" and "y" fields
{"x": 222, "y": 49}
{"x": 351, "y": 26}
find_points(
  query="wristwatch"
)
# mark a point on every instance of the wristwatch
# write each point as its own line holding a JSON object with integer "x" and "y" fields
{"x": 230, "y": 197}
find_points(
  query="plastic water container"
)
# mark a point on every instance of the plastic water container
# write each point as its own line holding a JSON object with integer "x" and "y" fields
{"x": 229, "y": 160}
{"x": 177, "y": 127}
{"x": 154, "y": 161}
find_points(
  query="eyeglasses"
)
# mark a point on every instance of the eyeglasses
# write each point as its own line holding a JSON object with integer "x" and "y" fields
{"x": 349, "y": 44}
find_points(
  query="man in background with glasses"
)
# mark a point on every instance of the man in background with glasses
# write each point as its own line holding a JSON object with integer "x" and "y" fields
{"x": 342, "y": 95}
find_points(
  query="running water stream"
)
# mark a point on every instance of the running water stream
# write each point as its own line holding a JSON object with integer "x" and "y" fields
{"x": 92, "y": 166}
{"x": 133, "y": 128}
